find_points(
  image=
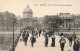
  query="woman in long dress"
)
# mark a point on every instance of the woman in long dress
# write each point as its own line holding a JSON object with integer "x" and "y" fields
{"x": 53, "y": 40}
{"x": 46, "y": 40}
{"x": 76, "y": 45}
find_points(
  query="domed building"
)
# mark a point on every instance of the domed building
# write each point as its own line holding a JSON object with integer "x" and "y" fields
{"x": 27, "y": 13}
{"x": 28, "y": 19}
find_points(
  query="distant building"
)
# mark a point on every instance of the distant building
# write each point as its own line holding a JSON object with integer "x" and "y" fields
{"x": 76, "y": 21}
{"x": 27, "y": 13}
{"x": 28, "y": 19}
{"x": 79, "y": 20}
{"x": 68, "y": 20}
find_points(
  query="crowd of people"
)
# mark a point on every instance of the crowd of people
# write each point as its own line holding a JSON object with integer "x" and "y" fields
{"x": 36, "y": 32}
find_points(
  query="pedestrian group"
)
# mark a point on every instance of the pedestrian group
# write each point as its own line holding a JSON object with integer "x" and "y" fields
{"x": 35, "y": 32}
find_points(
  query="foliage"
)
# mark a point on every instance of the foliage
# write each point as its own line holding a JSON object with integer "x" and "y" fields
{"x": 53, "y": 21}
{"x": 6, "y": 19}
{"x": 6, "y": 40}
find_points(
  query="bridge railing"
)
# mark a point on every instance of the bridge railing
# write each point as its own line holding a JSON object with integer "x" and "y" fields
{"x": 15, "y": 42}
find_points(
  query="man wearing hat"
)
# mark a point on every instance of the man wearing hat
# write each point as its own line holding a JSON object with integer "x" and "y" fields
{"x": 62, "y": 42}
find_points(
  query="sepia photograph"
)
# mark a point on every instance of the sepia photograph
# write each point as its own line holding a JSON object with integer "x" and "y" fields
{"x": 39, "y": 25}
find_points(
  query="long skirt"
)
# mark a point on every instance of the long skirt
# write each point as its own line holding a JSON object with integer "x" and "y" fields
{"x": 46, "y": 42}
{"x": 53, "y": 43}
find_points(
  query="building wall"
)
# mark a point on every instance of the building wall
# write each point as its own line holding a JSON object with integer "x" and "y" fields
{"x": 67, "y": 20}
{"x": 27, "y": 14}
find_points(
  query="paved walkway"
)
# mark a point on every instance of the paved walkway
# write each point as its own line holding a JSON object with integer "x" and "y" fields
{"x": 39, "y": 45}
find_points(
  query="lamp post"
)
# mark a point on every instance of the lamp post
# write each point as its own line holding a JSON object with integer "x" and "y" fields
{"x": 20, "y": 27}
{"x": 49, "y": 23}
{"x": 4, "y": 23}
{"x": 13, "y": 33}
{"x": 69, "y": 27}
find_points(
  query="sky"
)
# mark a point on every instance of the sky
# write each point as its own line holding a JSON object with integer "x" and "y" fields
{"x": 49, "y": 7}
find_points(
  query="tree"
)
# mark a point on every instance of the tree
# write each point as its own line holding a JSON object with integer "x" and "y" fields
{"x": 6, "y": 19}
{"x": 9, "y": 17}
{"x": 52, "y": 21}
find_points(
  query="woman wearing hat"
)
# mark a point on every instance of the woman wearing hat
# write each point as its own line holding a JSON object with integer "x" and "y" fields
{"x": 53, "y": 40}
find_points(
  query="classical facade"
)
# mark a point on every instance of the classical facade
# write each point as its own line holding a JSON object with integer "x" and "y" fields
{"x": 68, "y": 20}
{"x": 27, "y": 19}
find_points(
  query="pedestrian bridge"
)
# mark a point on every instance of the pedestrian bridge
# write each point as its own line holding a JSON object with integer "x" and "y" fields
{"x": 39, "y": 45}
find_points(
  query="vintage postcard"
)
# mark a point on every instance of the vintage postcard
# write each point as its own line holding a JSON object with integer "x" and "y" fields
{"x": 39, "y": 25}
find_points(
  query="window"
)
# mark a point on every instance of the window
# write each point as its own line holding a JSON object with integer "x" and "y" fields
{"x": 62, "y": 17}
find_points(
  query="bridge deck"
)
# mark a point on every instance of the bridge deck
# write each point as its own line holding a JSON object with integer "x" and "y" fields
{"x": 39, "y": 45}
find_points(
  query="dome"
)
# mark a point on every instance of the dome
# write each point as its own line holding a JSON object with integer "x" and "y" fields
{"x": 27, "y": 9}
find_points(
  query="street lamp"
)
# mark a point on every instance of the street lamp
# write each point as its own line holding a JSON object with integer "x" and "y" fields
{"x": 13, "y": 32}
{"x": 4, "y": 23}
{"x": 49, "y": 24}
{"x": 69, "y": 27}
{"x": 20, "y": 27}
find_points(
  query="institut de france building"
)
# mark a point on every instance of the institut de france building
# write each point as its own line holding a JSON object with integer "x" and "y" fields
{"x": 69, "y": 20}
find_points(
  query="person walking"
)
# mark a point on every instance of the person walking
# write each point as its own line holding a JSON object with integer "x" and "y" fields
{"x": 26, "y": 38}
{"x": 46, "y": 40}
{"x": 32, "y": 32}
{"x": 74, "y": 35}
{"x": 44, "y": 31}
{"x": 70, "y": 40}
{"x": 33, "y": 40}
{"x": 23, "y": 35}
{"x": 39, "y": 32}
{"x": 62, "y": 42}
{"x": 76, "y": 45}
{"x": 53, "y": 40}
{"x": 36, "y": 32}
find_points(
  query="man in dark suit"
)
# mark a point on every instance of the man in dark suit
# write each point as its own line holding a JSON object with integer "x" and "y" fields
{"x": 62, "y": 42}
{"x": 70, "y": 40}
{"x": 33, "y": 40}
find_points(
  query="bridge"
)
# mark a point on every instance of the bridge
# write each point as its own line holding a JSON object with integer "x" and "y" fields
{"x": 39, "y": 45}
